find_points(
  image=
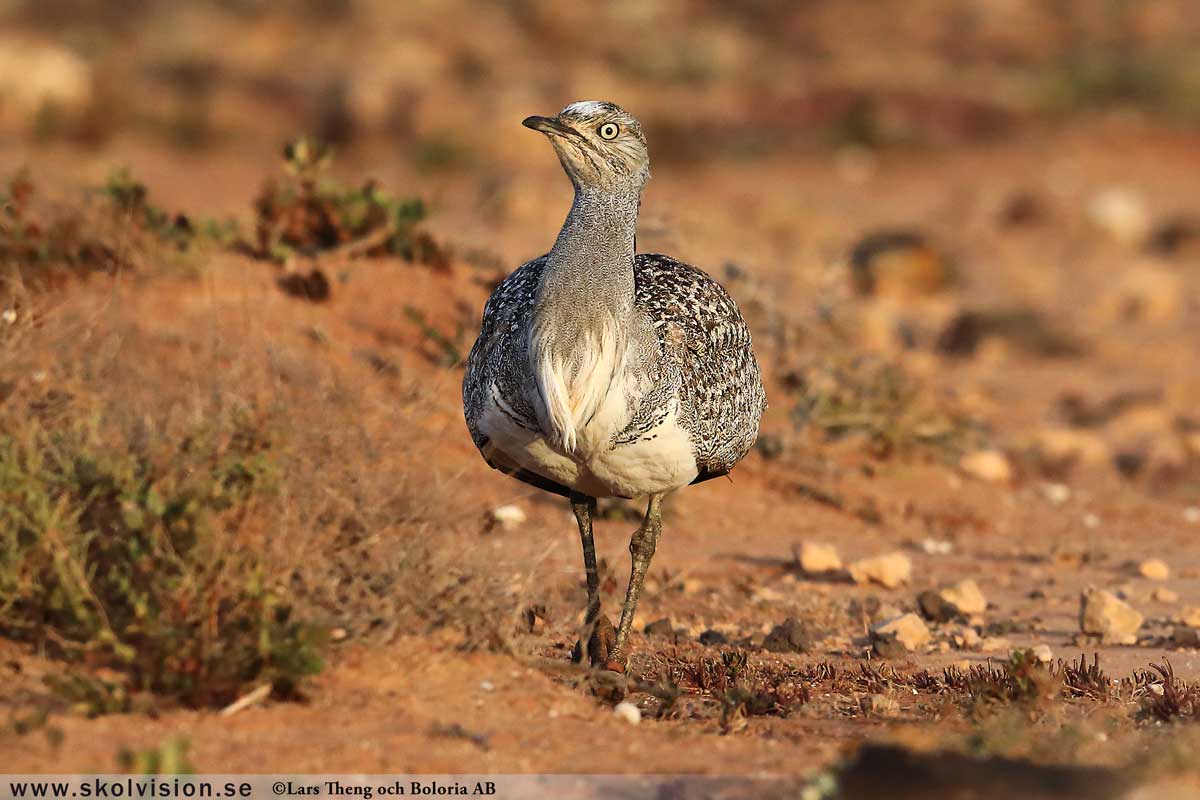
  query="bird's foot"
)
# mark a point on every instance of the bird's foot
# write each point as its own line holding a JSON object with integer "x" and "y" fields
{"x": 600, "y": 645}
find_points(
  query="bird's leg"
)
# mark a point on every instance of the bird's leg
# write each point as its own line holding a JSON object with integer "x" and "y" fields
{"x": 597, "y": 631}
{"x": 641, "y": 548}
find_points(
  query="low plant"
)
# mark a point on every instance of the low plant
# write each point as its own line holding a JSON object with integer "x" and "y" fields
{"x": 131, "y": 561}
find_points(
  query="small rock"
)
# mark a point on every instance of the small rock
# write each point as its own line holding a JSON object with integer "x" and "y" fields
{"x": 660, "y": 627}
{"x": 487, "y": 686}
{"x": 1067, "y": 445}
{"x": 937, "y": 547}
{"x": 818, "y": 559}
{"x": 338, "y": 635}
{"x": 1155, "y": 569}
{"x": 900, "y": 264}
{"x": 995, "y": 644}
{"x": 36, "y": 76}
{"x": 991, "y": 466}
{"x": 1042, "y": 653}
{"x": 889, "y": 570}
{"x": 965, "y": 598}
{"x": 1103, "y": 614}
{"x": 898, "y": 636}
{"x": 692, "y": 585}
{"x": 1164, "y": 595}
{"x": 967, "y": 639}
{"x": 711, "y": 638}
{"x": 1186, "y": 636}
{"x": 508, "y": 517}
{"x": 1191, "y": 515}
{"x": 628, "y": 711}
{"x": 1190, "y": 616}
{"x": 935, "y": 608}
{"x": 1121, "y": 213}
{"x": 1056, "y": 493}
{"x": 790, "y": 637}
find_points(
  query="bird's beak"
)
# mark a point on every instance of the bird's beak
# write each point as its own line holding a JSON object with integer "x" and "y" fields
{"x": 548, "y": 126}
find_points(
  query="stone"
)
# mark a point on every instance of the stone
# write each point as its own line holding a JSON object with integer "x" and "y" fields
{"x": 898, "y": 636}
{"x": 1164, "y": 595}
{"x": 37, "y": 75}
{"x": 508, "y": 517}
{"x": 1155, "y": 569}
{"x": 1042, "y": 653}
{"x": 937, "y": 547}
{"x": 627, "y": 711}
{"x": 1103, "y": 614}
{"x": 889, "y": 570}
{"x": 934, "y": 607}
{"x": 1186, "y": 636}
{"x": 1056, "y": 493}
{"x": 710, "y": 638}
{"x": 660, "y": 627}
{"x": 967, "y": 638}
{"x": 965, "y": 598}
{"x": 1066, "y": 445}
{"x": 790, "y": 637}
{"x": 995, "y": 644}
{"x": 1190, "y": 616}
{"x": 1121, "y": 213}
{"x": 818, "y": 559}
{"x": 991, "y": 466}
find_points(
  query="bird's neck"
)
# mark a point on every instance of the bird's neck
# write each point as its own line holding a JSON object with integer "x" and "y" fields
{"x": 591, "y": 263}
{"x": 583, "y": 308}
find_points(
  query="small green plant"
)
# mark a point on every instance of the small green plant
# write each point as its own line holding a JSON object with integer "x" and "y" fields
{"x": 44, "y": 247}
{"x": 130, "y": 561}
{"x": 306, "y": 214}
{"x": 129, "y": 198}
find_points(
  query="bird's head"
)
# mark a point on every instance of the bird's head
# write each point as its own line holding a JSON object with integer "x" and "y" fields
{"x": 599, "y": 144}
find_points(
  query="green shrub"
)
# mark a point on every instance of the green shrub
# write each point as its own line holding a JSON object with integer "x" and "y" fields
{"x": 134, "y": 564}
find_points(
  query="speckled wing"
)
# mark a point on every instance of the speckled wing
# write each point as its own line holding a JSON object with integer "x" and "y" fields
{"x": 493, "y": 361}
{"x": 706, "y": 358}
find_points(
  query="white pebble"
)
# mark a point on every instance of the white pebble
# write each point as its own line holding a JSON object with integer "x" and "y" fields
{"x": 937, "y": 547}
{"x": 628, "y": 711}
{"x": 1091, "y": 521}
{"x": 1192, "y": 514}
{"x": 509, "y": 517}
{"x": 9, "y": 316}
{"x": 487, "y": 686}
{"x": 1056, "y": 493}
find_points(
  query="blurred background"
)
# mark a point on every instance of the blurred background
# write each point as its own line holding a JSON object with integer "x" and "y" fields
{"x": 935, "y": 180}
{"x": 964, "y": 233}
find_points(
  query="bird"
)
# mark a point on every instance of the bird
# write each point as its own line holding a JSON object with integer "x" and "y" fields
{"x": 603, "y": 372}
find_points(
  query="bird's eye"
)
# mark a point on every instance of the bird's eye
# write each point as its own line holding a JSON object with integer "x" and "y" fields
{"x": 609, "y": 130}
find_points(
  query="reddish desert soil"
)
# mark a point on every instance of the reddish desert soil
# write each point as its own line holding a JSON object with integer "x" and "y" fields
{"x": 725, "y": 561}
{"x": 1102, "y": 441}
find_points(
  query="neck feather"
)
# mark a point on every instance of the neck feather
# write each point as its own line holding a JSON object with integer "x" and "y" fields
{"x": 584, "y": 301}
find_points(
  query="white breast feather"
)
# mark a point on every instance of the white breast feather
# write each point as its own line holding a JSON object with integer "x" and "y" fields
{"x": 573, "y": 388}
